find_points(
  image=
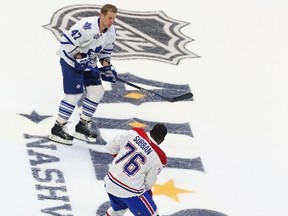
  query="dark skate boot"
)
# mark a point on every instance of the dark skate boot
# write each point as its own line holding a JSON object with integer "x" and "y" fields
{"x": 59, "y": 134}
{"x": 83, "y": 132}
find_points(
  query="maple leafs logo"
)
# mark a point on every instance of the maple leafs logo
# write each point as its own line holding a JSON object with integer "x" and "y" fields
{"x": 140, "y": 35}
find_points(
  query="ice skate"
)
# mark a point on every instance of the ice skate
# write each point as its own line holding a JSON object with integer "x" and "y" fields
{"x": 59, "y": 135}
{"x": 83, "y": 132}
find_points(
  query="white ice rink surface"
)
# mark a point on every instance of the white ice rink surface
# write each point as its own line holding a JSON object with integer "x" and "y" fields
{"x": 239, "y": 116}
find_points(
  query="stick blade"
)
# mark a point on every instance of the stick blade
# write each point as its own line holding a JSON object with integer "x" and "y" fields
{"x": 182, "y": 97}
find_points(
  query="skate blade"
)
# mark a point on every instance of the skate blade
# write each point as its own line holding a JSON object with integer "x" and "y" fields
{"x": 82, "y": 137}
{"x": 59, "y": 140}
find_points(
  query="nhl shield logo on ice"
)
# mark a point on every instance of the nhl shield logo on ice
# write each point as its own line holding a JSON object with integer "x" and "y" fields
{"x": 140, "y": 35}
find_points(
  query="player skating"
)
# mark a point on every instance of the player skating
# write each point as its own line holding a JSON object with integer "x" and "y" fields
{"x": 134, "y": 170}
{"x": 88, "y": 41}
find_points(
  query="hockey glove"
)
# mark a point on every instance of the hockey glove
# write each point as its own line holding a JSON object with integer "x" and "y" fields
{"x": 108, "y": 74}
{"x": 82, "y": 63}
{"x": 93, "y": 69}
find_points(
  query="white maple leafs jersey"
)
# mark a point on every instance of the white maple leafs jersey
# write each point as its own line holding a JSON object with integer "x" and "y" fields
{"x": 85, "y": 37}
{"x": 137, "y": 165}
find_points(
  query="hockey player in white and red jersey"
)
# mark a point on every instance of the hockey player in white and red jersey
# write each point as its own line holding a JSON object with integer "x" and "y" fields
{"x": 134, "y": 170}
{"x": 87, "y": 42}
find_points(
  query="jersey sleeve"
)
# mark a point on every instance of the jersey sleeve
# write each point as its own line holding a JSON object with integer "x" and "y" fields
{"x": 72, "y": 39}
{"x": 152, "y": 175}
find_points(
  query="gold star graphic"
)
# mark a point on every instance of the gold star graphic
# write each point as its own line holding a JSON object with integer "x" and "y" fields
{"x": 137, "y": 124}
{"x": 134, "y": 95}
{"x": 169, "y": 189}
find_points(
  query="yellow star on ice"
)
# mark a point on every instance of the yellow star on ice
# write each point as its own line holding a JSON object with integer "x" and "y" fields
{"x": 169, "y": 189}
{"x": 134, "y": 95}
{"x": 137, "y": 124}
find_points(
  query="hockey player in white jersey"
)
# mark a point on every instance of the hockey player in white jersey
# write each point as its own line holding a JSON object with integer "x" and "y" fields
{"x": 134, "y": 170}
{"x": 88, "y": 41}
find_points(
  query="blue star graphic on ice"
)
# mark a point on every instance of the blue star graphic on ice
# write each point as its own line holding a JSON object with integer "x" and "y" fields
{"x": 35, "y": 117}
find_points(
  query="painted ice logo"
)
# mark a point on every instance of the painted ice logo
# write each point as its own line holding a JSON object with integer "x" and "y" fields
{"x": 148, "y": 35}
{"x": 140, "y": 35}
{"x": 53, "y": 192}
{"x": 50, "y": 182}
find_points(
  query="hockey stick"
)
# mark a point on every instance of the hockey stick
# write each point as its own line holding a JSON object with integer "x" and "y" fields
{"x": 170, "y": 99}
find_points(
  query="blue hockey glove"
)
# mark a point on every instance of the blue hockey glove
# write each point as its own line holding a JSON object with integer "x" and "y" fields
{"x": 93, "y": 69}
{"x": 108, "y": 74}
{"x": 82, "y": 63}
